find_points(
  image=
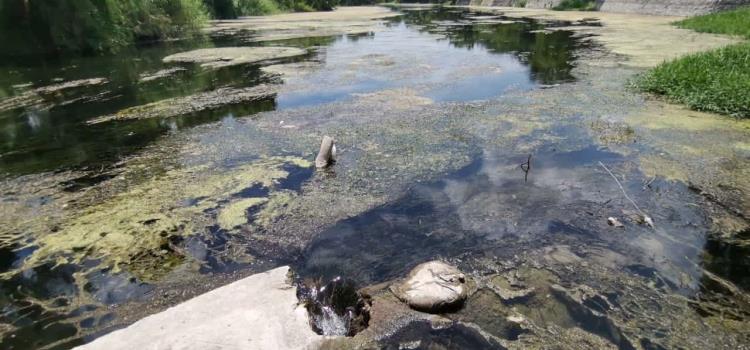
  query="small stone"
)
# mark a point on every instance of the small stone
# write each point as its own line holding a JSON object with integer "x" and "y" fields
{"x": 612, "y": 221}
{"x": 433, "y": 287}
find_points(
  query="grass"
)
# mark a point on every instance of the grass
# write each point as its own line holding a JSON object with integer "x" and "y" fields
{"x": 735, "y": 22}
{"x": 715, "y": 81}
{"x": 576, "y": 5}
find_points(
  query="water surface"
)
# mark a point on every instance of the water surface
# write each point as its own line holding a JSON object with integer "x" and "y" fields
{"x": 463, "y": 104}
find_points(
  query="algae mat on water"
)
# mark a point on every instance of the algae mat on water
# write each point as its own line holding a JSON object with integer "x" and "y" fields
{"x": 145, "y": 218}
{"x": 229, "y": 56}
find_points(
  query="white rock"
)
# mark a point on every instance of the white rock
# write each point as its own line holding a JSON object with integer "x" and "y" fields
{"x": 433, "y": 286}
{"x": 258, "y": 312}
{"x": 613, "y": 221}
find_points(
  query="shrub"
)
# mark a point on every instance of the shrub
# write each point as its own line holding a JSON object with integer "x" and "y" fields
{"x": 580, "y": 5}
{"x": 256, "y": 7}
{"x": 96, "y": 25}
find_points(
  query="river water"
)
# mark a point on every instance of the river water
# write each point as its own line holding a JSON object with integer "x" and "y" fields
{"x": 435, "y": 111}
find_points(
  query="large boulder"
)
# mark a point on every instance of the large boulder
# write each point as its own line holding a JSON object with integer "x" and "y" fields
{"x": 433, "y": 287}
{"x": 257, "y": 312}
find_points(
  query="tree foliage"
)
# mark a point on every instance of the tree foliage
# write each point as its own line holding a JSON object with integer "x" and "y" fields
{"x": 93, "y": 26}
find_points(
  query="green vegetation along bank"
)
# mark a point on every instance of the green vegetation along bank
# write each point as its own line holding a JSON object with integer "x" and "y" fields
{"x": 716, "y": 81}
{"x": 577, "y": 5}
{"x": 95, "y": 26}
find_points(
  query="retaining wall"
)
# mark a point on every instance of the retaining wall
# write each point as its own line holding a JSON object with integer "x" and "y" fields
{"x": 646, "y": 7}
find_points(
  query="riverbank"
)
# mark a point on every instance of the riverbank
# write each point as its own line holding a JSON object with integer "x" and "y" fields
{"x": 716, "y": 81}
{"x": 641, "y": 7}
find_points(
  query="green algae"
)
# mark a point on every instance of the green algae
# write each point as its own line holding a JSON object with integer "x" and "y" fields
{"x": 128, "y": 227}
{"x": 235, "y": 214}
{"x": 229, "y": 56}
{"x": 178, "y": 106}
{"x": 276, "y": 207}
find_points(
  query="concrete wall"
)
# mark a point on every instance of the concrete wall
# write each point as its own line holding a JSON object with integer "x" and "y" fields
{"x": 647, "y": 7}
{"x": 669, "y": 7}
{"x": 501, "y": 3}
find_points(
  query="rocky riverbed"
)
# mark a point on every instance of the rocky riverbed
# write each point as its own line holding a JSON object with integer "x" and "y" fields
{"x": 480, "y": 137}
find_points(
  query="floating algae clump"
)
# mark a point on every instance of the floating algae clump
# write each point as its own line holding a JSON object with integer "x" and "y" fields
{"x": 177, "y": 106}
{"x": 230, "y": 56}
{"x": 276, "y": 206}
{"x": 235, "y": 213}
{"x": 143, "y": 222}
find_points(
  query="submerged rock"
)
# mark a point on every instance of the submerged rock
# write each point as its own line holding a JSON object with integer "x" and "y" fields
{"x": 433, "y": 287}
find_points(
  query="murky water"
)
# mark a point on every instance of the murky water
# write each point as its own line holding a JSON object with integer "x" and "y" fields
{"x": 435, "y": 113}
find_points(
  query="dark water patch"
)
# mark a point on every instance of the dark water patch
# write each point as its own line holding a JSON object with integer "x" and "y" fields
{"x": 11, "y": 256}
{"x": 593, "y": 321}
{"x": 35, "y": 325}
{"x": 114, "y": 288}
{"x": 383, "y": 243}
{"x": 297, "y": 177}
{"x": 85, "y": 181}
{"x": 207, "y": 249}
{"x": 557, "y": 227}
{"x": 422, "y": 335}
{"x": 254, "y": 191}
{"x": 38, "y": 139}
{"x": 728, "y": 259}
{"x": 652, "y": 274}
{"x": 436, "y": 220}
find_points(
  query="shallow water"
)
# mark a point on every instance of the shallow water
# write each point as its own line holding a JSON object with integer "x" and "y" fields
{"x": 50, "y": 136}
{"x": 435, "y": 112}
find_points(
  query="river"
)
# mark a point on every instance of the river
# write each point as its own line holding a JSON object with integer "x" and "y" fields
{"x": 485, "y": 140}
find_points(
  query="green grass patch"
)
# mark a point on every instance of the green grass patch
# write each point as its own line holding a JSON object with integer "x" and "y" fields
{"x": 576, "y": 5}
{"x": 735, "y": 22}
{"x": 715, "y": 81}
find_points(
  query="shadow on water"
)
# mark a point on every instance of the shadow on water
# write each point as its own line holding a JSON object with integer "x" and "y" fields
{"x": 437, "y": 220}
{"x": 421, "y": 335}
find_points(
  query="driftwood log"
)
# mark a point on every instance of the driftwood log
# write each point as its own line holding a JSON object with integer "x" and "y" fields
{"x": 326, "y": 154}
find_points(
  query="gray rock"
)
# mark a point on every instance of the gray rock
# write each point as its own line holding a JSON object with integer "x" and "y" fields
{"x": 433, "y": 287}
{"x": 257, "y": 312}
